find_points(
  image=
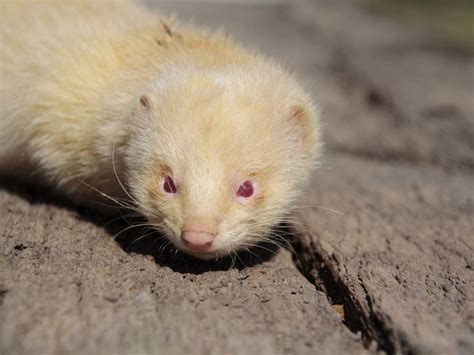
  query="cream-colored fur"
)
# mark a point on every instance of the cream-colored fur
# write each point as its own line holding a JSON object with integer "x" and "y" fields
{"x": 87, "y": 87}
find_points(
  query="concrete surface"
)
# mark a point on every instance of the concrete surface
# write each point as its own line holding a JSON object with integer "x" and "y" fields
{"x": 389, "y": 271}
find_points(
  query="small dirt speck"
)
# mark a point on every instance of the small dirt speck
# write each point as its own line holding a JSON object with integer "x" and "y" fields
{"x": 20, "y": 247}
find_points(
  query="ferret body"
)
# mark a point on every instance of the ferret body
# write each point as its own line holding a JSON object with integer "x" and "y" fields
{"x": 209, "y": 141}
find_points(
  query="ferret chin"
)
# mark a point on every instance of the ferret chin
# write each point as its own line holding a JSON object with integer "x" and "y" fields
{"x": 212, "y": 143}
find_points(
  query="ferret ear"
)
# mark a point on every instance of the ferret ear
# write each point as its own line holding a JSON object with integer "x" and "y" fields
{"x": 300, "y": 117}
{"x": 145, "y": 102}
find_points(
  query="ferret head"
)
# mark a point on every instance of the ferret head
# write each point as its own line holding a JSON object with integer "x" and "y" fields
{"x": 217, "y": 157}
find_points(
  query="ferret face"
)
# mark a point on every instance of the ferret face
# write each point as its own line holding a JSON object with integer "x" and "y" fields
{"x": 216, "y": 159}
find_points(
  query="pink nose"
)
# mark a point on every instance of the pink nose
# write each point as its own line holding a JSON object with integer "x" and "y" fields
{"x": 197, "y": 240}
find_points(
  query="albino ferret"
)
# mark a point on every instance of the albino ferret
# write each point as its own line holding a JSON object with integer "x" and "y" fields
{"x": 209, "y": 141}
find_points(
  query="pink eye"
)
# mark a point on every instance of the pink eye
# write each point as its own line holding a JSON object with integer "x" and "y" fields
{"x": 169, "y": 185}
{"x": 246, "y": 189}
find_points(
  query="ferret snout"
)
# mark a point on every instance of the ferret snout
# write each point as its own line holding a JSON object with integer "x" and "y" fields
{"x": 197, "y": 240}
{"x": 198, "y": 234}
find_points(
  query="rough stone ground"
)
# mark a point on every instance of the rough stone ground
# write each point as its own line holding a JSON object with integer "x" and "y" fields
{"x": 392, "y": 272}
